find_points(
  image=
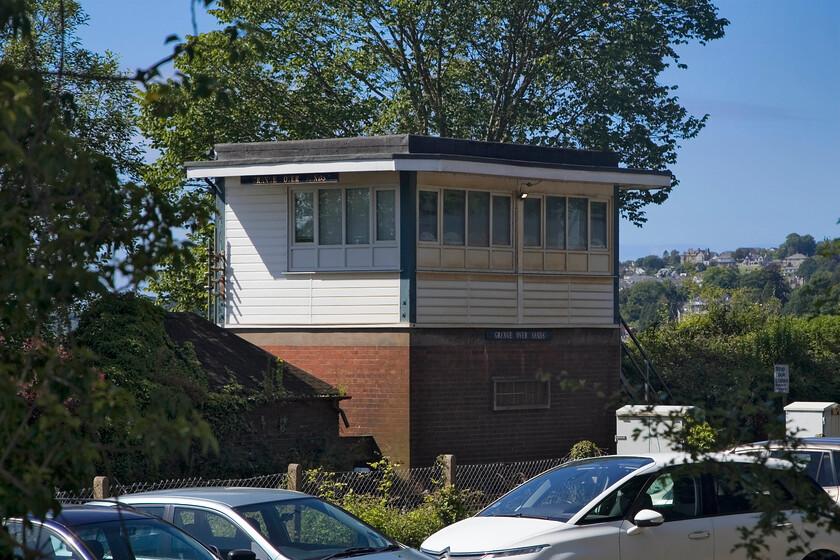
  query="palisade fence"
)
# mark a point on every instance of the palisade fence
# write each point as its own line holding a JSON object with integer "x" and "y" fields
{"x": 480, "y": 484}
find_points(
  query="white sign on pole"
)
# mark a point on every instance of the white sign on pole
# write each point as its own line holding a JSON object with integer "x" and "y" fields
{"x": 781, "y": 378}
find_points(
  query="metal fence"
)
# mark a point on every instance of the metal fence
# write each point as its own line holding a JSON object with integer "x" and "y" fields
{"x": 404, "y": 488}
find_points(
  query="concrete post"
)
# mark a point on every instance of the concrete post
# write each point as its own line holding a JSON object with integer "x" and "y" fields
{"x": 101, "y": 488}
{"x": 449, "y": 470}
{"x": 295, "y": 475}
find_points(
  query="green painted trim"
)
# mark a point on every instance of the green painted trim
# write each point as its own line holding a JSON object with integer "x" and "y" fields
{"x": 616, "y": 260}
{"x": 408, "y": 247}
{"x": 216, "y": 305}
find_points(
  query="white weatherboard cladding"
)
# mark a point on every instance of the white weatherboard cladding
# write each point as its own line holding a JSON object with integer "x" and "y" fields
{"x": 477, "y": 299}
{"x": 261, "y": 292}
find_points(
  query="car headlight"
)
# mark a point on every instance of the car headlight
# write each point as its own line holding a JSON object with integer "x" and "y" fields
{"x": 517, "y": 551}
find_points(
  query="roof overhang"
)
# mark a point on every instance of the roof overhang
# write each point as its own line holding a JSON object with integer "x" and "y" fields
{"x": 422, "y": 153}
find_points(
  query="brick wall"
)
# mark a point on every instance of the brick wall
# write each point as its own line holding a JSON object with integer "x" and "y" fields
{"x": 452, "y": 394}
{"x": 436, "y": 395}
{"x": 375, "y": 374}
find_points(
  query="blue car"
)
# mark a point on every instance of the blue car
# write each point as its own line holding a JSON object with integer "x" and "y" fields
{"x": 106, "y": 533}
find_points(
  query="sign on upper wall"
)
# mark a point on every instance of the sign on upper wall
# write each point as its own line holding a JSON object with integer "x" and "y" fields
{"x": 290, "y": 179}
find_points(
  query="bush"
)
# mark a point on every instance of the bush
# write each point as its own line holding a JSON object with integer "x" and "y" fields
{"x": 440, "y": 508}
{"x": 584, "y": 449}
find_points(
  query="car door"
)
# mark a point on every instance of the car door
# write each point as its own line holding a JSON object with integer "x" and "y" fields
{"x": 686, "y": 532}
{"x": 738, "y": 493}
{"x": 215, "y": 529}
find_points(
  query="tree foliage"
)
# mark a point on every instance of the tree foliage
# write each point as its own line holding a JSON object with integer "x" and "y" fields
{"x": 722, "y": 359}
{"x": 568, "y": 73}
{"x": 73, "y": 225}
{"x": 651, "y": 302}
{"x": 795, "y": 243}
{"x": 723, "y": 277}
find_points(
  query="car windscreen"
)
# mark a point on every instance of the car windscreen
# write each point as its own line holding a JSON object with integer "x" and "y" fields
{"x": 560, "y": 493}
{"x": 309, "y": 528}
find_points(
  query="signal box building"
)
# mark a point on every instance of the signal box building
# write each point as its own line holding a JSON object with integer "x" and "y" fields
{"x": 464, "y": 294}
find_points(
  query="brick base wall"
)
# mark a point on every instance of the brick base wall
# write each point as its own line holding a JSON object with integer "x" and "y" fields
{"x": 430, "y": 391}
{"x": 452, "y": 394}
{"x": 374, "y": 370}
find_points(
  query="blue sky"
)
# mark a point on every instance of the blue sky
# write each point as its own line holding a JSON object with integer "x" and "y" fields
{"x": 766, "y": 165}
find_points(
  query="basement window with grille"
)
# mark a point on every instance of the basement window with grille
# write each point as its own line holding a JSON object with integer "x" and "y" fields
{"x": 520, "y": 394}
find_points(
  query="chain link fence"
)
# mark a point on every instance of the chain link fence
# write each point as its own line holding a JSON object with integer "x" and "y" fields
{"x": 404, "y": 488}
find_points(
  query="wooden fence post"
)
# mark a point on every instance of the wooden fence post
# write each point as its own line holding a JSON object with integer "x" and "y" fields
{"x": 449, "y": 470}
{"x": 101, "y": 488}
{"x": 295, "y": 477}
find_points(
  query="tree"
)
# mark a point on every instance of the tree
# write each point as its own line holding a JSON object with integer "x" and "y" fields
{"x": 568, "y": 73}
{"x": 648, "y": 303}
{"x": 766, "y": 283}
{"x": 722, "y": 360}
{"x": 73, "y": 225}
{"x": 650, "y": 263}
{"x": 723, "y": 277}
{"x": 794, "y": 243}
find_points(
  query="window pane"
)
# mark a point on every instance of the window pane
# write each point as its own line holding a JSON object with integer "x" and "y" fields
{"x": 453, "y": 217}
{"x": 578, "y": 210}
{"x": 304, "y": 217}
{"x": 598, "y": 240}
{"x": 555, "y": 222}
{"x": 532, "y": 228}
{"x": 386, "y": 215}
{"x": 501, "y": 220}
{"x": 358, "y": 216}
{"x": 427, "y": 219}
{"x": 329, "y": 217}
{"x": 479, "y": 219}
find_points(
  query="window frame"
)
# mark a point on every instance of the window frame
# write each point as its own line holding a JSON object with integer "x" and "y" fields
{"x": 588, "y": 226}
{"x": 546, "y": 391}
{"x": 373, "y": 216}
{"x": 439, "y": 240}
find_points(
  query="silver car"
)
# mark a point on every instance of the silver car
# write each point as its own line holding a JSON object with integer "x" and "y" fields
{"x": 819, "y": 457}
{"x": 274, "y": 524}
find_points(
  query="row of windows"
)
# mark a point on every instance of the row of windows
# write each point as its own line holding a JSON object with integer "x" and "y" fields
{"x": 479, "y": 219}
{"x": 351, "y": 216}
{"x": 451, "y": 217}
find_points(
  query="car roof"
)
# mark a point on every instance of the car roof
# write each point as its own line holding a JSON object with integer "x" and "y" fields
{"x": 75, "y": 515}
{"x": 233, "y": 497}
{"x": 804, "y": 442}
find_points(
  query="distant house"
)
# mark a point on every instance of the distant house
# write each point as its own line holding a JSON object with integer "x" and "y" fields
{"x": 791, "y": 264}
{"x": 696, "y": 256}
{"x": 304, "y": 420}
{"x": 727, "y": 259}
{"x": 755, "y": 259}
{"x": 449, "y": 285}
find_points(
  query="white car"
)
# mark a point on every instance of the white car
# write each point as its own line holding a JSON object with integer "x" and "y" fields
{"x": 646, "y": 507}
{"x": 274, "y": 524}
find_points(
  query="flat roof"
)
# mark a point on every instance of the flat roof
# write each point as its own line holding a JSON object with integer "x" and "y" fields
{"x": 411, "y": 152}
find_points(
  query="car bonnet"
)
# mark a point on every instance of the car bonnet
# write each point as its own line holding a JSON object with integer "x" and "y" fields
{"x": 484, "y": 534}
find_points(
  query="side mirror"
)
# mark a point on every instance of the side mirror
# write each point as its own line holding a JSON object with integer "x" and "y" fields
{"x": 645, "y": 518}
{"x": 241, "y": 554}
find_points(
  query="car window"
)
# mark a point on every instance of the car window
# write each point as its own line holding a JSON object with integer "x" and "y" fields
{"x": 618, "y": 504}
{"x": 138, "y": 539}
{"x": 212, "y": 529}
{"x": 44, "y": 541}
{"x": 309, "y": 528}
{"x": 743, "y": 488}
{"x": 816, "y": 463}
{"x": 674, "y": 494}
{"x": 157, "y": 511}
{"x": 561, "y": 493}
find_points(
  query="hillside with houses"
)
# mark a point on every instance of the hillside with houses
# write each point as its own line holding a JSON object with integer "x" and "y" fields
{"x": 800, "y": 274}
